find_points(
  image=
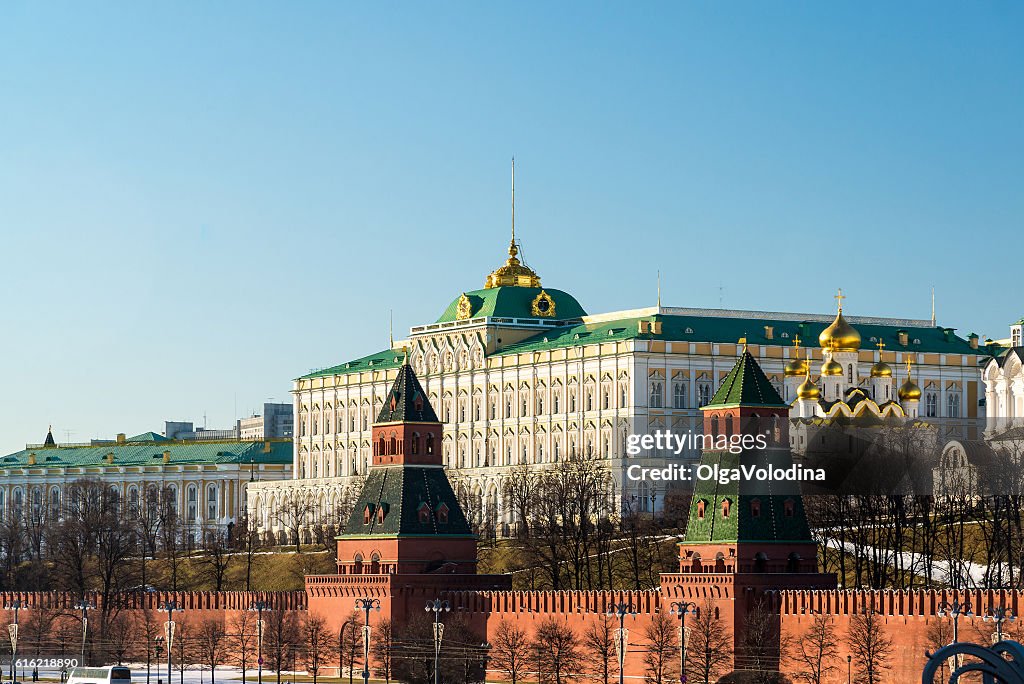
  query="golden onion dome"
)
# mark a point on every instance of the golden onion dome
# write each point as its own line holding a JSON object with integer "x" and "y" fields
{"x": 808, "y": 390}
{"x": 831, "y": 368}
{"x": 909, "y": 391}
{"x": 840, "y": 336}
{"x": 513, "y": 273}
{"x": 881, "y": 370}
{"x": 795, "y": 368}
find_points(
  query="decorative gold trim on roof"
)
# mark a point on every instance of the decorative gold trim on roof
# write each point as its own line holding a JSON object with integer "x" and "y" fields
{"x": 464, "y": 309}
{"x": 543, "y": 306}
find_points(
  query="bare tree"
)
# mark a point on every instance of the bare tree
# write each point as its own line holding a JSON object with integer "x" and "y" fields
{"x": 709, "y": 645}
{"x": 817, "y": 650}
{"x": 211, "y": 644}
{"x": 316, "y": 642}
{"x": 383, "y": 650}
{"x": 217, "y": 557}
{"x": 280, "y": 638}
{"x": 599, "y": 645}
{"x": 511, "y": 651}
{"x": 294, "y": 515}
{"x": 870, "y": 647}
{"x": 662, "y": 644}
{"x": 241, "y": 639}
{"x": 761, "y": 644}
{"x": 557, "y": 656}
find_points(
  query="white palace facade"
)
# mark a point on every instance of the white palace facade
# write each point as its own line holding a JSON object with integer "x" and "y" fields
{"x": 522, "y": 375}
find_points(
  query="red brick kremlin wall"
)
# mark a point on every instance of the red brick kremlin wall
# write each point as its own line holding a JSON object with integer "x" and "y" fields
{"x": 907, "y": 615}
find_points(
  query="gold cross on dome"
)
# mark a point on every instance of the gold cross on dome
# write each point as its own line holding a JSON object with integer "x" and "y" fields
{"x": 881, "y": 345}
{"x": 839, "y": 298}
{"x": 796, "y": 344}
{"x": 910, "y": 362}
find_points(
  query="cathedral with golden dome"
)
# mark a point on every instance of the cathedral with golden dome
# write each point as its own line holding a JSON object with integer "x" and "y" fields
{"x": 841, "y": 390}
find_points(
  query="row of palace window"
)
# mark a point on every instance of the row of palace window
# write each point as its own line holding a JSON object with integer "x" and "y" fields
{"x": 313, "y": 425}
{"x": 52, "y": 506}
{"x": 680, "y": 398}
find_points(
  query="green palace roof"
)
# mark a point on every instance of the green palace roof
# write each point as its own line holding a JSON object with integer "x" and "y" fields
{"x": 139, "y": 453}
{"x": 513, "y": 302}
{"x": 699, "y": 328}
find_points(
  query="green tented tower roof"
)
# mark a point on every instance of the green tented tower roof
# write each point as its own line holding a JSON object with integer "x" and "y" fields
{"x": 746, "y": 385}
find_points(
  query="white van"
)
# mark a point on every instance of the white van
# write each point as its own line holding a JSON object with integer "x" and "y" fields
{"x": 115, "y": 674}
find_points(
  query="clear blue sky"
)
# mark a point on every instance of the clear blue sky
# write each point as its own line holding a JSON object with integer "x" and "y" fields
{"x": 201, "y": 201}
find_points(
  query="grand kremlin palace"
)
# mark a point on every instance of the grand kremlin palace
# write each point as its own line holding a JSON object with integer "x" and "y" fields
{"x": 522, "y": 374}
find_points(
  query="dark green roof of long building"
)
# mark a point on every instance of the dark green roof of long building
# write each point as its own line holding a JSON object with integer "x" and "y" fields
{"x": 702, "y": 328}
{"x": 402, "y": 491}
{"x": 136, "y": 453}
{"x": 746, "y": 385}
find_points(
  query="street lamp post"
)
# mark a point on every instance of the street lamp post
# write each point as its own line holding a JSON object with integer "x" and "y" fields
{"x": 366, "y": 605}
{"x": 849, "y": 669}
{"x": 955, "y": 610}
{"x": 437, "y": 606}
{"x": 622, "y": 610}
{"x": 258, "y": 607}
{"x": 999, "y": 615}
{"x": 85, "y": 607}
{"x": 169, "y": 607}
{"x": 158, "y": 648}
{"x": 681, "y": 608}
{"x": 15, "y": 606}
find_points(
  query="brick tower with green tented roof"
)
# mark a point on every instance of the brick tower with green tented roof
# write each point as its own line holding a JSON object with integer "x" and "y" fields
{"x": 749, "y": 528}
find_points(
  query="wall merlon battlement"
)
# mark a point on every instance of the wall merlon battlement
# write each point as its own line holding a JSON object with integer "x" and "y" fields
{"x": 910, "y": 603}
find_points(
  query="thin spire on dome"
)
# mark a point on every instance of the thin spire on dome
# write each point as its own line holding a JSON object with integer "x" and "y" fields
{"x": 839, "y": 298}
{"x": 49, "y": 441}
{"x": 513, "y": 273}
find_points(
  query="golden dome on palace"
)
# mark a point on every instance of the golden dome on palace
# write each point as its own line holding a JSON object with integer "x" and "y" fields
{"x": 881, "y": 370}
{"x": 909, "y": 391}
{"x": 831, "y": 367}
{"x": 840, "y": 336}
{"x": 808, "y": 390}
{"x": 513, "y": 273}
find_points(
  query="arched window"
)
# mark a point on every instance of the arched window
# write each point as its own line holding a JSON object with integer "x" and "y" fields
{"x": 374, "y": 564}
{"x": 211, "y": 502}
{"x": 714, "y": 426}
{"x": 701, "y": 507}
{"x": 953, "y": 405}
{"x": 54, "y": 503}
{"x": 760, "y": 561}
{"x": 678, "y": 395}
{"x": 191, "y": 503}
{"x": 728, "y": 425}
{"x": 755, "y": 508}
{"x": 430, "y": 443}
{"x": 657, "y": 394}
{"x": 358, "y": 564}
{"x": 415, "y": 446}
{"x": 726, "y": 505}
